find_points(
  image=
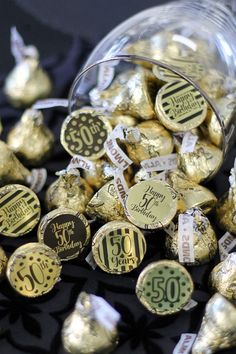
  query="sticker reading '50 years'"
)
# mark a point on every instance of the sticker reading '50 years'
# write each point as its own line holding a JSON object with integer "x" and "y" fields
{"x": 84, "y": 133}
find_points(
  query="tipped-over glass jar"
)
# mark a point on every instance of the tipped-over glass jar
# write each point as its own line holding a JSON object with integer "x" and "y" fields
{"x": 175, "y": 50}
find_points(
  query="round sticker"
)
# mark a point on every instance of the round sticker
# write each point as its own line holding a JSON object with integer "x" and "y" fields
{"x": 187, "y": 66}
{"x": 33, "y": 269}
{"x": 84, "y": 133}
{"x": 180, "y": 107}
{"x": 151, "y": 204}
{"x": 118, "y": 247}
{"x": 19, "y": 210}
{"x": 164, "y": 287}
{"x": 65, "y": 231}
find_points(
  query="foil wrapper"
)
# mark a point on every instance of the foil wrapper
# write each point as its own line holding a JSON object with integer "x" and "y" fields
{"x": 3, "y": 263}
{"x": 68, "y": 191}
{"x": 103, "y": 172}
{"x": 213, "y": 83}
{"x": 131, "y": 93}
{"x": 105, "y": 204}
{"x": 129, "y": 121}
{"x": 26, "y": 83}
{"x": 85, "y": 331}
{"x": 226, "y": 207}
{"x": 11, "y": 169}
{"x": 218, "y": 327}
{"x": 223, "y": 277}
{"x": 202, "y": 163}
{"x": 211, "y": 127}
{"x": 30, "y": 139}
{"x": 204, "y": 239}
{"x": 155, "y": 140}
{"x": 194, "y": 195}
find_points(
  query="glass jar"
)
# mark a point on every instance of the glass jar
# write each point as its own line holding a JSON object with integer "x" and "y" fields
{"x": 193, "y": 40}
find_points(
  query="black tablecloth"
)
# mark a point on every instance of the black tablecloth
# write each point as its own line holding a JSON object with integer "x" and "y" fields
{"x": 34, "y": 325}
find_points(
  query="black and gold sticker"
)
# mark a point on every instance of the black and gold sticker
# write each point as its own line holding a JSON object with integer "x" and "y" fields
{"x": 118, "y": 247}
{"x": 33, "y": 269}
{"x": 19, "y": 210}
{"x": 84, "y": 133}
{"x": 164, "y": 287}
{"x": 188, "y": 66}
{"x": 180, "y": 106}
{"x": 65, "y": 231}
{"x": 151, "y": 204}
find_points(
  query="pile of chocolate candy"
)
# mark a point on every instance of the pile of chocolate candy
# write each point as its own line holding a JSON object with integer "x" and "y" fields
{"x": 140, "y": 151}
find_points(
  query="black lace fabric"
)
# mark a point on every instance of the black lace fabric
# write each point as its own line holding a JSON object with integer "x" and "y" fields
{"x": 34, "y": 325}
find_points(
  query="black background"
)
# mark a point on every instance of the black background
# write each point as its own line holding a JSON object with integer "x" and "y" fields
{"x": 33, "y": 326}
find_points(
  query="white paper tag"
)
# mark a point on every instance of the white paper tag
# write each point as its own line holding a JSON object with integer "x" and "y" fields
{"x": 185, "y": 343}
{"x": 116, "y": 154}
{"x": 79, "y": 161}
{"x": 162, "y": 176}
{"x": 190, "y": 305}
{"x": 188, "y": 143}
{"x": 185, "y": 239}
{"x": 37, "y": 179}
{"x": 120, "y": 186}
{"x": 17, "y": 45}
{"x": 50, "y": 103}
{"x": 226, "y": 243}
{"x": 90, "y": 260}
{"x": 171, "y": 228}
{"x": 104, "y": 313}
{"x": 160, "y": 163}
{"x": 106, "y": 74}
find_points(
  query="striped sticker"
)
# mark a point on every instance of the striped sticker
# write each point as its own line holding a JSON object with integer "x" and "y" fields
{"x": 180, "y": 106}
{"x": 119, "y": 250}
{"x": 19, "y": 211}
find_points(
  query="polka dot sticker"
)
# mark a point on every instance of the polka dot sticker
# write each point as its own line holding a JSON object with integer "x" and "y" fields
{"x": 84, "y": 133}
{"x": 33, "y": 269}
{"x": 164, "y": 287}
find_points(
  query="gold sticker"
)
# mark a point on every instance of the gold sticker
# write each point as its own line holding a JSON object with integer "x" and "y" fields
{"x": 187, "y": 66}
{"x": 65, "y": 231}
{"x": 33, "y": 269}
{"x": 118, "y": 247}
{"x": 19, "y": 210}
{"x": 180, "y": 107}
{"x": 164, "y": 287}
{"x": 151, "y": 204}
{"x": 84, "y": 132}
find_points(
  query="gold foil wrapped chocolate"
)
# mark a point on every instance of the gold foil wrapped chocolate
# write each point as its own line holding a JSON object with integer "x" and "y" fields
{"x": 194, "y": 194}
{"x": 218, "y": 327}
{"x": 30, "y": 139}
{"x": 69, "y": 191}
{"x": 27, "y": 82}
{"x": 19, "y": 210}
{"x": 180, "y": 106}
{"x": 155, "y": 140}
{"x": 87, "y": 330}
{"x": 131, "y": 93}
{"x": 213, "y": 83}
{"x": 164, "y": 287}
{"x": 211, "y": 127}
{"x": 226, "y": 207}
{"x": 11, "y": 169}
{"x": 33, "y": 269}
{"x": 202, "y": 163}
{"x": 105, "y": 204}
{"x": 3, "y": 263}
{"x": 205, "y": 243}
{"x": 223, "y": 277}
{"x": 118, "y": 247}
{"x": 129, "y": 121}
{"x": 84, "y": 132}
